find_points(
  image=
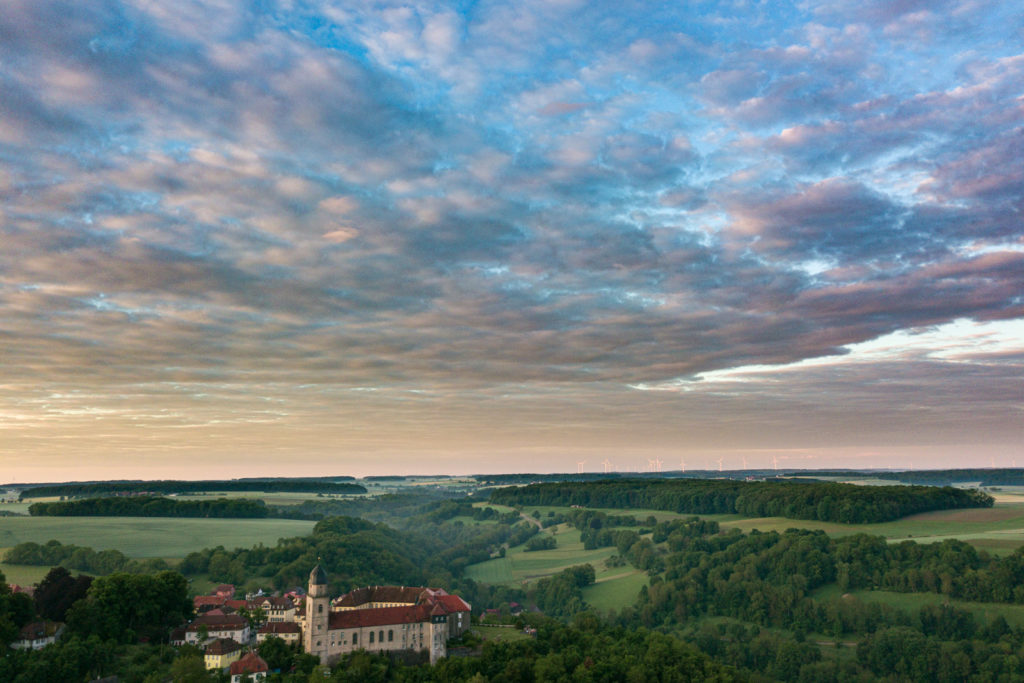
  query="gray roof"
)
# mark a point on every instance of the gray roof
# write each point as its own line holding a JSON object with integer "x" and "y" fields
{"x": 318, "y": 577}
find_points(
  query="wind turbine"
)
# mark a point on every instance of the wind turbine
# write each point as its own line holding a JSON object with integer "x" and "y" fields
{"x": 744, "y": 462}
{"x": 720, "y": 464}
{"x": 579, "y": 466}
{"x": 607, "y": 465}
{"x": 775, "y": 462}
{"x": 650, "y": 465}
{"x": 682, "y": 465}
{"x": 657, "y": 464}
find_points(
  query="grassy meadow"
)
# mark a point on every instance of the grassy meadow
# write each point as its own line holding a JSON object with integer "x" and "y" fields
{"x": 614, "y": 588}
{"x": 144, "y": 537}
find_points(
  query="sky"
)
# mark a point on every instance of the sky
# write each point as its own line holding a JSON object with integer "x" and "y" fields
{"x": 298, "y": 238}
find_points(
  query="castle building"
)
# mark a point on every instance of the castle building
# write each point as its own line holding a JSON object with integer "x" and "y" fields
{"x": 381, "y": 619}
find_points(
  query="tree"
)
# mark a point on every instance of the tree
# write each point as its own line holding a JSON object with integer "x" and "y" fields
{"x": 276, "y": 653}
{"x": 189, "y": 669}
{"x": 58, "y": 591}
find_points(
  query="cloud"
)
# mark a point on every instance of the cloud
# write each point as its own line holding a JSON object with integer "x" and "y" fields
{"x": 462, "y": 224}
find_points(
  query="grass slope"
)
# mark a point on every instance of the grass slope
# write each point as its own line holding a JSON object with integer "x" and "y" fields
{"x": 518, "y": 566}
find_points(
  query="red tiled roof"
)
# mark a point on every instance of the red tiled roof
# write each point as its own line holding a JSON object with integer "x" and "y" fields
{"x": 251, "y": 663}
{"x": 223, "y": 646}
{"x": 453, "y": 603}
{"x": 361, "y": 596}
{"x": 216, "y": 623}
{"x": 236, "y": 604}
{"x": 280, "y": 627}
{"x": 200, "y": 600}
{"x": 381, "y": 616}
{"x": 278, "y": 603}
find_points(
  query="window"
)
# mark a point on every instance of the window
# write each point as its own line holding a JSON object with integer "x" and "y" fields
{"x": 320, "y": 609}
{"x": 355, "y": 638}
{"x": 371, "y": 637}
{"x": 391, "y": 635}
{"x": 380, "y": 635}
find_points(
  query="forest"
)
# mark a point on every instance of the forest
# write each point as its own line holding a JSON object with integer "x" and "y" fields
{"x": 823, "y": 501}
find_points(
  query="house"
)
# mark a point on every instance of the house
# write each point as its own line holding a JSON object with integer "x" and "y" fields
{"x": 250, "y": 665}
{"x": 216, "y": 626}
{"x": 221, "y": 653}
{"x": 381, "y": 619}
{"x": 225, "y": 590}
{"x": 38, "y": 635}
{"x": 205, "y": 603}
{"x": 275, "y": 609}
{"x": 287, "y": 631}
{"x": 177, "y": 637}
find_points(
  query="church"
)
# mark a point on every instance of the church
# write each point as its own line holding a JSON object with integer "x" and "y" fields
{"x": 380, "y": 619}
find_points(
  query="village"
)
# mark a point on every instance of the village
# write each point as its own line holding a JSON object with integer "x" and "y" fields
{"x": 413, "y": 620}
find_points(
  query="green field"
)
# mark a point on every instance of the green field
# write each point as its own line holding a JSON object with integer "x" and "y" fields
{"x": 144, "y": 537}
{"x": 616, "y": 591}
{"x": 23, "y": 575}
{"x": 999, "y": 529}
{"x": 519, "y": 567}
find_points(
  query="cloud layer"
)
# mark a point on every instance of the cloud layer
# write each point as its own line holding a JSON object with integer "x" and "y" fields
{"x": 416, "y": 237}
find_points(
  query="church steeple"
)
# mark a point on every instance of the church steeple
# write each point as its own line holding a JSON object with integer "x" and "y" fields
{"x": 318, "y": 610}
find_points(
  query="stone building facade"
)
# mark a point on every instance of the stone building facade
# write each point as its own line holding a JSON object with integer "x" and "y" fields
{"x": 380, "y": 619}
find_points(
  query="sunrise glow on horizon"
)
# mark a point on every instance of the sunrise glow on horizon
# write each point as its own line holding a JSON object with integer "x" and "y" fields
{"x": 315, "y": 238}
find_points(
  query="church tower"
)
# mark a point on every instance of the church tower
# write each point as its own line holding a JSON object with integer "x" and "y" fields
{"x": 318, "y": 611}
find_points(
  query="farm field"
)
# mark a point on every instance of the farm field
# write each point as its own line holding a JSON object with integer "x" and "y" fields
{"x": 145, "y": 537}
{"x": 999, "y": 529}
{"x": 23, "y": 575}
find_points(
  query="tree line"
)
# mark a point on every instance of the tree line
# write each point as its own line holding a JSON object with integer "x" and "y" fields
{"x": 825, "y": 501}
{"x": 167, "y": 486}
{"x": 153, "y": 506}
{"x": 84, "y": 559}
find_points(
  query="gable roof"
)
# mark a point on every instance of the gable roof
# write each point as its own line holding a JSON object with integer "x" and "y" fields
{"x": 200, "y": 600}
{"x": 250, "y": 663}
{"x": 38, "y": 630}
{"x": 218, "y": 622}
{"x": 222, "y": 646}
{"x": 453, "y": 603}
{"x": 280, "y": 627}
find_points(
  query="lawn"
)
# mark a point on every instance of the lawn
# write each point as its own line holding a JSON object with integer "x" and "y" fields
{"x": 143, "y": 537}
